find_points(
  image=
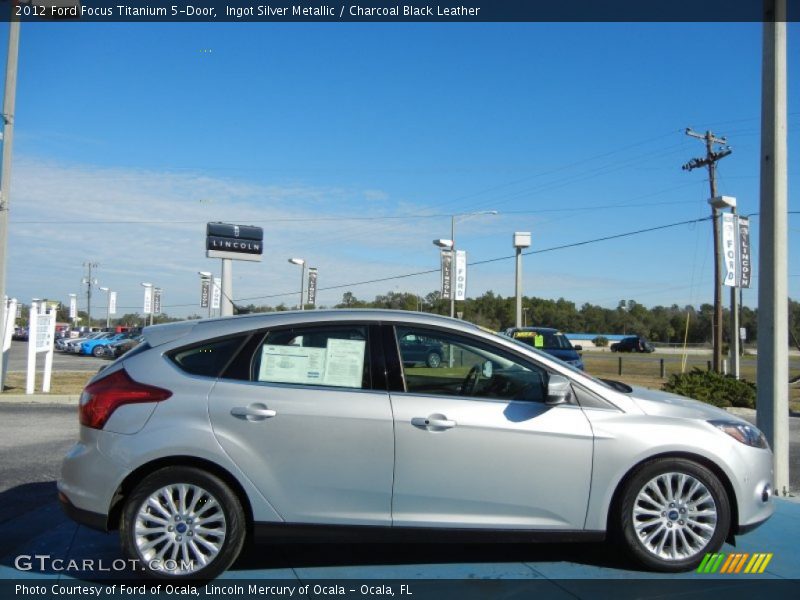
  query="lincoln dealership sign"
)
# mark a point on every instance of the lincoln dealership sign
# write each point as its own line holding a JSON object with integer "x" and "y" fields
{"x": 238, "y": 242}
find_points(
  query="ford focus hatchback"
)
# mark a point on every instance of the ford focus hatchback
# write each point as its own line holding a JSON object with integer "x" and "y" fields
{"x": 317, "y": 423}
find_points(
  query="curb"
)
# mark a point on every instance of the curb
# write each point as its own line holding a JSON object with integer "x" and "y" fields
{"x": 39, "y": 398}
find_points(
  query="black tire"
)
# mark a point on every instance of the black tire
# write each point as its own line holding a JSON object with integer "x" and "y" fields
{"x": 228, "y": 503}
{"x": 98, "y": 351}
{"x": 434, "y": 360}
{"x": 626, "y": 527}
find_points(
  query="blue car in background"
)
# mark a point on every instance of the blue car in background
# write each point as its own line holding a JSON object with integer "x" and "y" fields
{"x": 548, "y": 340}
{"x": 95, "y": 347}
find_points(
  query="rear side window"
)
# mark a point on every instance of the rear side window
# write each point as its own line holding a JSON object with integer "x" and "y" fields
{"x": 208, "y": 358}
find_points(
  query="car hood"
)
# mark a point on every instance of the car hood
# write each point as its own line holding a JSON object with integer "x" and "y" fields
{"x": 655, "y": 402}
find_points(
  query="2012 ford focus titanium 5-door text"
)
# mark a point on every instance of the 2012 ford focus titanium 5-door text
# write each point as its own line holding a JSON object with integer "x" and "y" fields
{"x": 314, "y": 422}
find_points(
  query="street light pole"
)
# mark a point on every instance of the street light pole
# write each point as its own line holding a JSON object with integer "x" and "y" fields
{"x": 302, "y": 263}
{"x": 453, "y": 240}
{"x": 522, "y": 239}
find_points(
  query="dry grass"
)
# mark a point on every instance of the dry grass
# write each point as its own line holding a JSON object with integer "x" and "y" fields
{"x": 61, "y": 382}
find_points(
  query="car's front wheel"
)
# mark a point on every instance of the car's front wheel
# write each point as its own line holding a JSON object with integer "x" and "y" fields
{"x": 672, "y": 512}
{"x": 98, "y": 351}
{"x": 182, "y": 523}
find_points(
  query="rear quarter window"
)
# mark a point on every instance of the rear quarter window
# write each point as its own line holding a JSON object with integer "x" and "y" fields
{"x": 207, "y": 358}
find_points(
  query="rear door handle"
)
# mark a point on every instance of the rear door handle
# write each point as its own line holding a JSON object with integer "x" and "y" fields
{"x": 253, "y": 412}
{"x": 433, "y": 422}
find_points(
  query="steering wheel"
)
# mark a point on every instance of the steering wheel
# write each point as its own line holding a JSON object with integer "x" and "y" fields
{"x": 471, "y": 381}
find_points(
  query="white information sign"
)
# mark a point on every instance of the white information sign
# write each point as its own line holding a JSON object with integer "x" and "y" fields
{"x": 41, "y": 335}
{"x": 344, "y": 363}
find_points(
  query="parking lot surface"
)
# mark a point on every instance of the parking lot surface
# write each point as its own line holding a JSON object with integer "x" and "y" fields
{"x": 33, "y": 439}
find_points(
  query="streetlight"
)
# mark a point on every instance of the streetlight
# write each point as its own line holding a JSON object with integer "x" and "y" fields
{"x": 148, "y": 301}
{"x": 302, "y": 263}
{"x": 451, "y": 244}
{"x": 522, "y": 239}
{"x": 108, "y": 306}
{"x": 208, "y": 279}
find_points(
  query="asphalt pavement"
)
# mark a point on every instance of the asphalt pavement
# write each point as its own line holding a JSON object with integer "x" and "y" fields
{"x": 33, "y": 438}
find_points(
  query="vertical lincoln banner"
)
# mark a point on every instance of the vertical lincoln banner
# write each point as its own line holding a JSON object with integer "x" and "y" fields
{"x": 112, "y": 303}
{"x": 447, "y": 273}
{"x": 745, "y": 264}
{"x": 205, "y": 288}
{"x": 148, "y": 300}
{"x": 461, "y": 275}
{"x": 730, "y": 249}
{"x": 311, "y": 297}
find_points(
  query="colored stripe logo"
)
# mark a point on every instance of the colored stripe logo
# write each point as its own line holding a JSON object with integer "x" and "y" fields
{"x": 735, "y": 563}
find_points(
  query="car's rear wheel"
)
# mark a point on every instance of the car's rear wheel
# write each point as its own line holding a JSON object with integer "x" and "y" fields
{"x": 672, "y": 512}
{"x": 434, "y": 360}
{"x": 182, "y": 523}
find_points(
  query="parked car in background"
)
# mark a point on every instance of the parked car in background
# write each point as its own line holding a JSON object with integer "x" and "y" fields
{"x": 548, "y": 340}
{"x": 417, "y": 350}
{"x": 633, "y": 344}
{"x": 73, "y": 345}
{"x": 95, "y": 346}
{"x": 213, "y": 431}
{"x": 20, "y": 334}
{"x": 120, "y": 347}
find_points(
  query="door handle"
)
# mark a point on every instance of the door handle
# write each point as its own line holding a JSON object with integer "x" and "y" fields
{"x": 253, "y": 412}
{"x": 433, "y": 422}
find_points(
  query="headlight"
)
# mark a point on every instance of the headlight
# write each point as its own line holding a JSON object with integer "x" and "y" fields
{"x": 746, "y": 434}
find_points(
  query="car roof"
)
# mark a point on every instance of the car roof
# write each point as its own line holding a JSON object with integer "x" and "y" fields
{"x": 201, "y": 329}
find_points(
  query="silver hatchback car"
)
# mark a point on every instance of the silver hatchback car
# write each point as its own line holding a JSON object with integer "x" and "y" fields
{"x": 312, "y": 423}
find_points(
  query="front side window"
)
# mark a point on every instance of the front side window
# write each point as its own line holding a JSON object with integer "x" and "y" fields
{"x": 471, "y": 368}
{"x": 333, "y": 356}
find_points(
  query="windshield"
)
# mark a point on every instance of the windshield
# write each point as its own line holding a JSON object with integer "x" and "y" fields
{"x": 544, "y": 339}
{"x": 538, "y": 351}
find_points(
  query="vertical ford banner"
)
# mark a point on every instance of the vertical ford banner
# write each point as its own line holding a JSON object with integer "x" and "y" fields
{"x": 157, "y": 301}
{"x": 730, "y": 249}
{"x": 745, "y": 260}
{"x": 447, "y": 273}
{"x": 148, "y": 300}
{"x": 311, "y": 297}
{"x": 73, "y": 306}
{"x": 112, "y": 303}
{"x": 461, "y": 275}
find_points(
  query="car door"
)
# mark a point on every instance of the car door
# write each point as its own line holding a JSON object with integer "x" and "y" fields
{"x": 477, "y": 446}
{"x": 302, "y": 412}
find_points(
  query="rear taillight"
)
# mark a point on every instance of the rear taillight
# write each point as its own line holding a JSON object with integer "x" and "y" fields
{"x": 100, "y": 399}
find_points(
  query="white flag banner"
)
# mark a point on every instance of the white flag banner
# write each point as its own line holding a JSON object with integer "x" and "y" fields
{"x": 112, "y": 303}
{"x": 745, "y": 261}
{"x": 73, "y": 307}
{"x": 216, "y": 295}
{"x": 730, "y": 249}
{"x": 461, "y": 275}
{"x": 148, "y": 300}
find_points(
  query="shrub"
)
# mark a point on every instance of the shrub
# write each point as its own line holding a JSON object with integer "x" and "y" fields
{"x": 600, "y": 341}
{"x": 713, "y": 388}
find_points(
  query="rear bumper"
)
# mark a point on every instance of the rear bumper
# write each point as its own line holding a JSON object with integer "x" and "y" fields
{"x": 91, "y": 519}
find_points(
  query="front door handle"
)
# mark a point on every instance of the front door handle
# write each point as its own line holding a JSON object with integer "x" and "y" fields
{"x": 435, "y": 422}
{"x": 253, "y": 412}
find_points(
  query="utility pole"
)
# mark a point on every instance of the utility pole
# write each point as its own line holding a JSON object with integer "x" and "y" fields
{"x": 9, "y": 101}
{"x": 89, "y": 265}
{"x": 710, "y": 161}
{"x": 773, "y": 318}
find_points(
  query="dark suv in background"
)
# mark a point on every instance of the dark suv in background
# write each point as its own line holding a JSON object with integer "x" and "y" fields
{"x": 633, "y": 344}
{"x": 418, "y": 350}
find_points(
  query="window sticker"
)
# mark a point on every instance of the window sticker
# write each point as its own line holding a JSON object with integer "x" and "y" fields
{"x": 292, "y": 364}
{"x": 538, "y": 341}
{"x": 344, "y": 363}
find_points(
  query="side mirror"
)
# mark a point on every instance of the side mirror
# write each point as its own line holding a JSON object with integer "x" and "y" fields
{"x": 559, "y": 390}
{"x": 578, "y": 348}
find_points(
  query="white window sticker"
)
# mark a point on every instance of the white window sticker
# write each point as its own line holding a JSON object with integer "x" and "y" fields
{"x": 292, "y": 364}
{"x": 344, "y": 364}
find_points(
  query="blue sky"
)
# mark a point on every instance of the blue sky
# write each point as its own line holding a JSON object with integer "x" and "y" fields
{"x": 280, "y": 124}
